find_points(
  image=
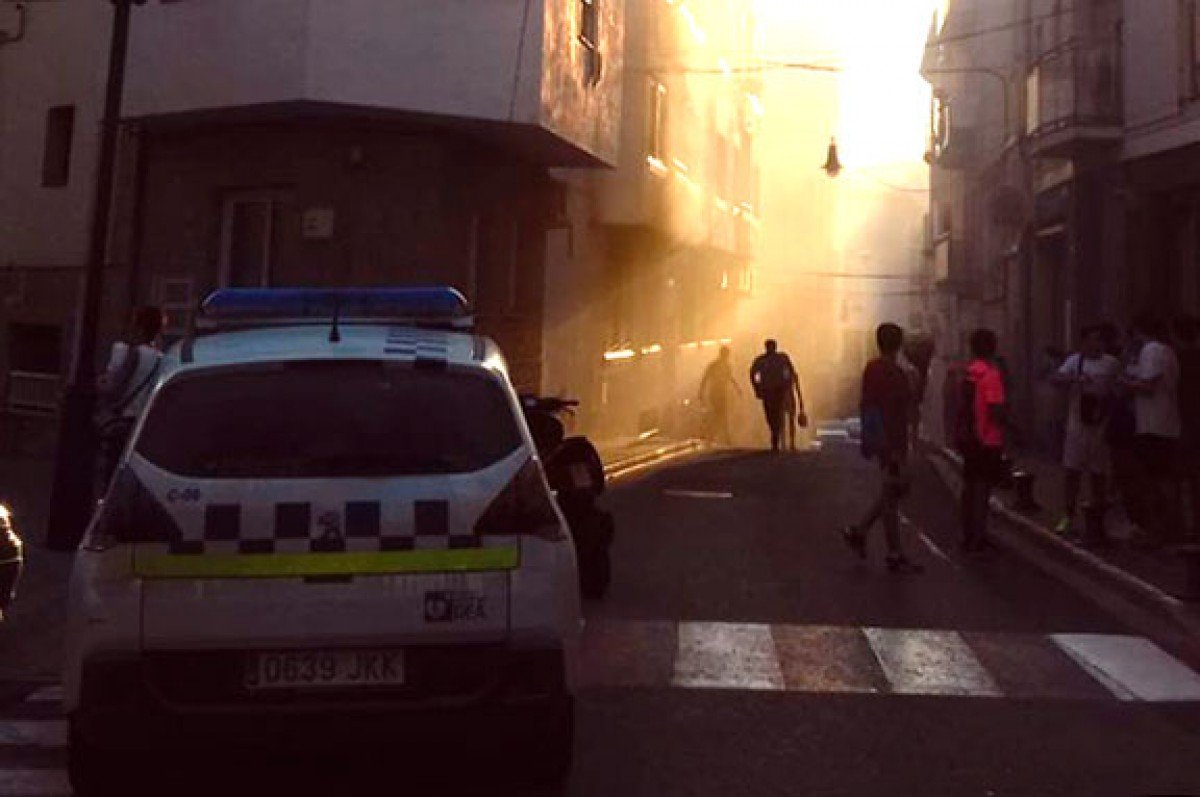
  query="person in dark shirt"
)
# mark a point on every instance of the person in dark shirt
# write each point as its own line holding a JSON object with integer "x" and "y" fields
{"x": 886, "y": 406}
{"x": 1187, "y": 347}
{"x": 773, "y": 377}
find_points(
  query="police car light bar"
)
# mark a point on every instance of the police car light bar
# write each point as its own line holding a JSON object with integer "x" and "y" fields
{"x": 430, "y": 306}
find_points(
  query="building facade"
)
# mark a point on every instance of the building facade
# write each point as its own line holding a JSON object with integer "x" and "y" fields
{"x": 670, "y": 251}
{"x": 267, "y": 142}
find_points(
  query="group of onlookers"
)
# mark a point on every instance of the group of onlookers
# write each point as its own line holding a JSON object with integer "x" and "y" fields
{"x": 1133, "y": 428}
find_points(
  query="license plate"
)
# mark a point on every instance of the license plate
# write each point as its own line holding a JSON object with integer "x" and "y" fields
{"x": 318, "y": 668}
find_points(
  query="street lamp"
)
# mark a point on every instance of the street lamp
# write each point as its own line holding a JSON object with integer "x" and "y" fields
{"x": 75, "y": 456}
{"x": 833, "y": 164}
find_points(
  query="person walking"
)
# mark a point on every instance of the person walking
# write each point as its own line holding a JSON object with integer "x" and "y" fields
{"x": 714, "y": 392}
{"x": 125, "y": 385}
{"x": 794, "y": 416}
{"x": 980, "y": 436}
{"x": 886, "y": 412}
{"x": 1155, "y": 387}
{"x": 1089, "y": 376}
{"x": 772, "y": 376}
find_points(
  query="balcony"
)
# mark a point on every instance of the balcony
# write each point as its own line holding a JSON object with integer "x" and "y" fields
{"x": 1074, "y": 99}
{"x": 542, "y": 80}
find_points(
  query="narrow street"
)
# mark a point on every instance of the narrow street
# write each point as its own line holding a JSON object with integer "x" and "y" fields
{"x": 744, "y": 651}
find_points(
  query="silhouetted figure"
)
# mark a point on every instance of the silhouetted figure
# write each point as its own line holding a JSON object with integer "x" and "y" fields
{"x": 714, "y": 392}
{"x": 886, "y": 407}
{"x": 772, "y": 376}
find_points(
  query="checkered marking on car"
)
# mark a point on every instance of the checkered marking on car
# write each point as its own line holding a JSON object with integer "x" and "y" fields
{"x": 419, "y": 345}
{"x": 299, "y": 527}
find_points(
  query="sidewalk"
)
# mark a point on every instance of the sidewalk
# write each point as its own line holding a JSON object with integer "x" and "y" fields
{"x": 1146, "y": 588}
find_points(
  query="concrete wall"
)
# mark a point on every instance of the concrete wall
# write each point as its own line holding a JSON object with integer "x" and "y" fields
{"x": 514, "y": 61}
{"x": 57, "y": 63}
{"x": 406, "y": 209}
{"x": 1156, "y": 118}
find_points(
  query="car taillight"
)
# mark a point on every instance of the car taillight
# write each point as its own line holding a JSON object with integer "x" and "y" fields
{"x": 129, "y": 513}
{"x": 523, "y": 507}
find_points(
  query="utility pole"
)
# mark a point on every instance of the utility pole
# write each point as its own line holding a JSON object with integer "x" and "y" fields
{"x": 74, "y": 464}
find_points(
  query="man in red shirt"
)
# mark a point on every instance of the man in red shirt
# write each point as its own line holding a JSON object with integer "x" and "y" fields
{"x": 887, "y": 407}
{"x": 981, "y": 437}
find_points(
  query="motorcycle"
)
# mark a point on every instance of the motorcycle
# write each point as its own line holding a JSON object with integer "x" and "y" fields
{"x": 576, "y": 475}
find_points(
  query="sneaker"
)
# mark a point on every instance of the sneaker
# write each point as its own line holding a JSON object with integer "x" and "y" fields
{"x": 855, "y": 540}
{"x": 899, "y": 564}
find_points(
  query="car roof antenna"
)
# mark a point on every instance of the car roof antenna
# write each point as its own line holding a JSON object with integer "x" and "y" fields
{"x": 335, "y": 334}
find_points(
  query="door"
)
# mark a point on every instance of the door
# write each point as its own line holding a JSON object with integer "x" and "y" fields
{"x": 249, "y": 223}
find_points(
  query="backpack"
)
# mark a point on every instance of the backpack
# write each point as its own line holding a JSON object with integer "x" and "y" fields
{"x": 774, "y": 373}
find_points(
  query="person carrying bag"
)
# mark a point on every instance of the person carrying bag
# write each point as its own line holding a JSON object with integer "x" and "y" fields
{"x": 126, "y": 384}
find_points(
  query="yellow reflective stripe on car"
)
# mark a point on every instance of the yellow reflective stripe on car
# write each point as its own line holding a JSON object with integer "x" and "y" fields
{"x": 234, "y": 565}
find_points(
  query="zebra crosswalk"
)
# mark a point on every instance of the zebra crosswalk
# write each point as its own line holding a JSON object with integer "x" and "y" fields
{"x": 874, "y": 662}
{"x": 899, "y": 661}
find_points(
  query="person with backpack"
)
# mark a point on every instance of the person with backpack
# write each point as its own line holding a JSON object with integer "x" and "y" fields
{"x": 125, "y": 385}
{"x": 886, "y": 407}
{"x": 1089, "y": 377}
{"x": 980, "y": 436}
{"x": 772, "y": 377}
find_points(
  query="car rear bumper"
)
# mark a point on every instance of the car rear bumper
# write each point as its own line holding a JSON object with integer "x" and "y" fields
{"x": 138, "y": 702}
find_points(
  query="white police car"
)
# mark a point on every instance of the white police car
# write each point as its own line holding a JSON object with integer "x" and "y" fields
{"x": 330, "y": 523}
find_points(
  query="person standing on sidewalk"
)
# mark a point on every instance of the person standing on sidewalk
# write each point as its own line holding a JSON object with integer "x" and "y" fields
{"x": 1089, "y": 377}
{"x": 772, "y": 376}
{"x": 886, "y": 409}
{"x": 980, "y": 434}
{"x": 126, "y": 384}
{"x": 1155, "y": 386}
{"x": 714, "y": 392}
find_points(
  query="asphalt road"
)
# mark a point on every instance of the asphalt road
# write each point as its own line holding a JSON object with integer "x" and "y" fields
{"x": 750, "y": 539}
{"x": 744, "y": 651}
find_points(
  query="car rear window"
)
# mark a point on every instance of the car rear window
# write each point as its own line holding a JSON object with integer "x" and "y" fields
{"x": 329, "y": 419}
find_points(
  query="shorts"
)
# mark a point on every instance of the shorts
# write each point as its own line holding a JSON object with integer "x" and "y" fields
{"x": 1086, "y": 449}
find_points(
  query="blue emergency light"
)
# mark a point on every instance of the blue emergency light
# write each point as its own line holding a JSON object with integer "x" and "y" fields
{"x": 424, "y": 306}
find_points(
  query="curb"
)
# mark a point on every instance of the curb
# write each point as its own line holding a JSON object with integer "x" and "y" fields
{"x": 629, "y": 465}
{"x": 1138, "y": 602}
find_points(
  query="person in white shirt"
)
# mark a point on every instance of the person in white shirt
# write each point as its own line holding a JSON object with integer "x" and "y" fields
{"x": 126, "y": 384}
{"x": 1090, "y": 378}
{"x": 1155, "y": 386}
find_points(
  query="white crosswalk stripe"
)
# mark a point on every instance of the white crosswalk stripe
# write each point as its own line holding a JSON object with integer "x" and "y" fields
{"x": 34, "y": 783}
{"x": 727, "y": 656}
{"x": 929, "y": 663}
{"x": 871, "y": 662}
{"x": 1132, "y": 668}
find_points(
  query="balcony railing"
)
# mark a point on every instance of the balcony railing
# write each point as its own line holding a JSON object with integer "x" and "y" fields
{"x": 1076, "y": 86}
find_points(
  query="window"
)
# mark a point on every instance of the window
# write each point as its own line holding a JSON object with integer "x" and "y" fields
{"x": 356, "y": 418}
{"x": 35, "y": 358}
{"x": 656, "y": 143}
{"x": 56, "y": 152}
{"x": 247, "y": 238}
{"x": 589, "y": 37}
